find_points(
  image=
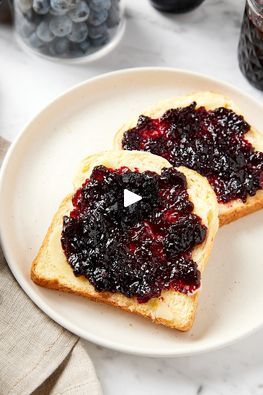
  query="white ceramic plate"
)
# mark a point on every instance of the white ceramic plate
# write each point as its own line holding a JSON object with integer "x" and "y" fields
{"x": 37, "y": 173}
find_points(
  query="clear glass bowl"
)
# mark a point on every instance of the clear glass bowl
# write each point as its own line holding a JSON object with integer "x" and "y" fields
{"x": 69, "y": 30}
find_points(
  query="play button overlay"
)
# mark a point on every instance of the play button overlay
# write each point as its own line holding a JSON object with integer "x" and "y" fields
{"x": 130, "y": 198}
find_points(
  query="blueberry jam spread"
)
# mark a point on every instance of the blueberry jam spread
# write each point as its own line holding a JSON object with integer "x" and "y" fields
{"x": 210, "y": 142}
{"x": 137, "y": 250}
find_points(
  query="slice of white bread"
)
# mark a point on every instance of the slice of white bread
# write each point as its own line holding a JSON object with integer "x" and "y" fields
{"x": 235, "y": 209}
{"x": 50, "y": 268}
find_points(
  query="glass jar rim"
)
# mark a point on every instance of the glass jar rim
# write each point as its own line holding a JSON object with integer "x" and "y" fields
{"x": 257, "y": 8}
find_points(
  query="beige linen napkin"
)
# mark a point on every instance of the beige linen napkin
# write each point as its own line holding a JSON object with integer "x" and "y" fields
{"x": 37, "y": 355}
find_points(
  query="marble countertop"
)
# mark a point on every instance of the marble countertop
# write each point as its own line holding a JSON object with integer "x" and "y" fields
{"x": 204, "y": 41}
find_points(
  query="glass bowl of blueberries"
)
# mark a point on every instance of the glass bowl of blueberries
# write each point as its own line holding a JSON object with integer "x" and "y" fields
{"x": 69, "y": 30}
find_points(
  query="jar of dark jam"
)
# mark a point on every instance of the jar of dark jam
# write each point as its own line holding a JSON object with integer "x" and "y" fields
{"x": 176, "y": 6}
{"x": 250, "y": 48}
{"x": 5, "y": 12}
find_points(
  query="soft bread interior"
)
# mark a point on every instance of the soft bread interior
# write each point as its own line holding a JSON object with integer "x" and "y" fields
{"x": 230, "y": 211}
{"x": 51, "y": 269}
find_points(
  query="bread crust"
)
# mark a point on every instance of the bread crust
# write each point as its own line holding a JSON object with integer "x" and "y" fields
{"x": 227, "y": 212}
{"x": 238, "y": 209}
{"x": 50, "y": 268}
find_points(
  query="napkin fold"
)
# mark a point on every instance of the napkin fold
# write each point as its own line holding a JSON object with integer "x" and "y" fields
{"x": 37, "y": 356}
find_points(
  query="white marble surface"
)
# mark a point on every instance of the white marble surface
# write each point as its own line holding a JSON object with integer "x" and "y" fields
{"x": 204, "y": 41}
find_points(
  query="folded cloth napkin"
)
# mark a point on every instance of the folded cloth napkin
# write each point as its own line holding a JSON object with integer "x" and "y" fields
{"x": 37, "y": 356}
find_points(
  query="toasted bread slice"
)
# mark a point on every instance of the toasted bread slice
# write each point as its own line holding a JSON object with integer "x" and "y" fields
{"x": 50, "y": 268}
{"x": 235, "y": 209}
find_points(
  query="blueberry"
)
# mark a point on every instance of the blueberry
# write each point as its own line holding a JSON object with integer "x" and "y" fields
{"x": 60, "y": 26}
{"x": 78, "y": 33}
{"x": 25, "y": 5}
{"x": 58, "y": 12}
{"x": 35, "y": 41}
{"x": 41, "y": 7}
{"x": 113, "y": 16}
{"x": 25, "y": 28}
{"x": 59, "y": 47}
{"x": 63, "y": 5}
{"x": 100, "y": 5}
{"x": 31, "y": 16}
{"x": 75, "y": 51}
{"x": 44, "y": 33}
{"x": 97, "y": 18}
{"x": 99, "y": 42}
{"x": 80, "y": 13}
{"x": 84, "y": 46}
{"x": 97, "y": 31}
{"x": 79, "y": 49}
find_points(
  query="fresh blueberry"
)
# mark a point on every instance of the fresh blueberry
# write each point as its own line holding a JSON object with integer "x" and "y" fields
{"x": 113, "y": 16}
{"x": 44, "y": 33}
{"x": 97, "y": 18}
{"x": 79, "y": 32}
{"x": 60, "y": 26}
{"x": 24, "y": 27}
{"x": 99, "y": 42}
{"x": 84, "y": 46}
{"x": 25, "y": 5}
{"x": 35, "y": 41}
{"x": 97, "y": 31}
{"x": 59, "y": 47}
{"x": 60, "y": 6}
{"x": 30, "y": 16}
{"x": 57, "y": 12}
{"x": 80, "y": 13}
{"x": 75, "y": 51}
{"x": 41, "y": 7}
{"x": 100, "y": 5}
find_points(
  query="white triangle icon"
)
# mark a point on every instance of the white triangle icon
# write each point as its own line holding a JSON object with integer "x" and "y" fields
{"x": 130, "y": 198}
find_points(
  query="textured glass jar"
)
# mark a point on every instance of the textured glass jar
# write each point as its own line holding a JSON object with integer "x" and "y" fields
{"x": 70, "y": 30}
{"x": 250, "y": 49}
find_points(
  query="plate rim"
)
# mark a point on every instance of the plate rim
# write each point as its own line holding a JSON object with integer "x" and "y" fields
{"x": 51, "y": 313}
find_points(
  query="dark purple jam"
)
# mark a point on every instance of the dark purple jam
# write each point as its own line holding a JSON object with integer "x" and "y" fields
{"x": 210, "y": 142}
{"x": 137, "y": 250}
